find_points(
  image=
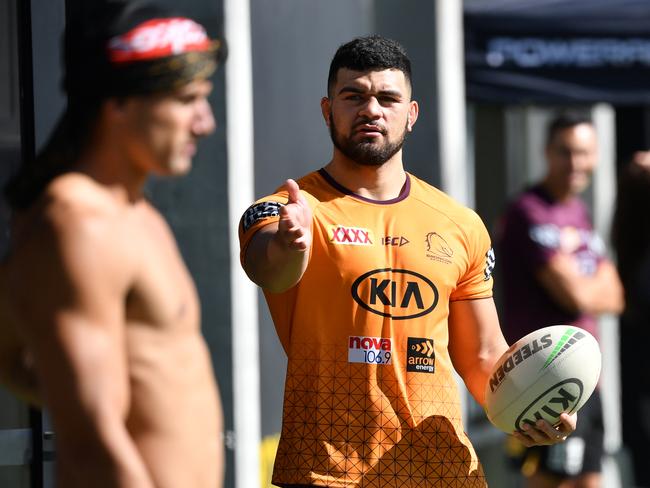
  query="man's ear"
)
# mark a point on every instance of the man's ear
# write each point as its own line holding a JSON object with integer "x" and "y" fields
{"x": 326, "y": 109}
{"x": 114, "y": 108}
{"x": 120, "y": 113}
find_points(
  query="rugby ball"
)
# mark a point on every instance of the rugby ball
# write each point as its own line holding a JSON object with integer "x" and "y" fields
{"x": 549, "y": 371}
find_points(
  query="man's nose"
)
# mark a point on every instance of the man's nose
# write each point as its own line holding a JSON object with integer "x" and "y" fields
{"x": 371, "y": 109}
{"x": 578, "y": 161}
{"x": 204, "y": 122}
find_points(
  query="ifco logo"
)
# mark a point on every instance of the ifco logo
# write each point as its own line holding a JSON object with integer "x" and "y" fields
{"x": 562, "y": 397}
{"x": 396, "y": 293}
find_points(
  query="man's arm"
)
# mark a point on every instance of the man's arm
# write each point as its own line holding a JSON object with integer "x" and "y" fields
{"x": 278, "y": 253}
{"x": 69, "y": 285}
{"x": 595, "y": 294}
{"x": 475, "y": 342}
{"x": 475, "y": 345}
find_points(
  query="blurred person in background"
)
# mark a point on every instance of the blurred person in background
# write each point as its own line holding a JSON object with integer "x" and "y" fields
{"x": 100, "y": 316}
{"x": 555, "y": 272}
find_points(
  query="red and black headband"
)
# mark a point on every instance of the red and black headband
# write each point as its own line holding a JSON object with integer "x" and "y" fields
{"x": 136, "y": 49}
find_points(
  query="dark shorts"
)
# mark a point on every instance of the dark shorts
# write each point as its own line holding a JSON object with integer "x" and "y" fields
{"x": 581, "y": 453}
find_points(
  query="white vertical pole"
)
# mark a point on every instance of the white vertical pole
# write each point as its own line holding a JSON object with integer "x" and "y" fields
{"x": 245, "y": 340}
{"x": 604, "y": 181}
{"x": 457, "y": 173}
{"x": 604, "y": 194}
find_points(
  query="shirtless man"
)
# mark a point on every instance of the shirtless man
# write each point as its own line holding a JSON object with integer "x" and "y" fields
{"x": 94, "y": 284}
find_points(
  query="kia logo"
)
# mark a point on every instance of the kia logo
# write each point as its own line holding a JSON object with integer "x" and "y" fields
{"x": 561, "y": 397}
{"x": 396, "y": 293}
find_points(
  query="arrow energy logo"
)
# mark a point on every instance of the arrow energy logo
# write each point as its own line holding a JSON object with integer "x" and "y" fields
{"x": 421, "y": 356}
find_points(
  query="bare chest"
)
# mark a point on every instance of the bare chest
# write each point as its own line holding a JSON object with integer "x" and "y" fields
{"x": 162, "y": 295}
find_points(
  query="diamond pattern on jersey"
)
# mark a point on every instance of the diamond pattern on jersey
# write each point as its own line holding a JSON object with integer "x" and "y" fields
{"x": 355, "y": 425}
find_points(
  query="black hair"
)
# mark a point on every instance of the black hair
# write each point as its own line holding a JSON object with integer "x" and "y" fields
{"x": 90, "y": 79}
{"x": 85, "y": 66}
{"x": 566, "y": 120}
{"x": 61, "y": 151}
{"x": 371, "y": 53}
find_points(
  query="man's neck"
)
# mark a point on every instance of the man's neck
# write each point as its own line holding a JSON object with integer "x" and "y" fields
{"x": 558, "y": 192}
{"x": 109, "y": 170}
{"x": 381, "y": 182}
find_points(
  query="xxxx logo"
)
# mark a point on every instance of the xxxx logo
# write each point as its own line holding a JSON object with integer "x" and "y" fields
{"x": 354, "y": 236}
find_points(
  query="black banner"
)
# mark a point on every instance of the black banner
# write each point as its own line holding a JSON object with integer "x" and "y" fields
{"x": 550, "y": 51}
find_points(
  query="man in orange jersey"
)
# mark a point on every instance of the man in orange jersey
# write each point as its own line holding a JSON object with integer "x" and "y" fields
{"x": 379, "y": 285}
{"x": 94, "y": 287}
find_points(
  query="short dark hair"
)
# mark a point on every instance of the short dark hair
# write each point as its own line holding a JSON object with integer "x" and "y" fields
{"x": 566, "y": 120}
{"x": 371, "y": 53}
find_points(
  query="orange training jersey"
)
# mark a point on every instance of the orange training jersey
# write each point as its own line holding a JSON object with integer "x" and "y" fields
{"x": 370, "y": 397}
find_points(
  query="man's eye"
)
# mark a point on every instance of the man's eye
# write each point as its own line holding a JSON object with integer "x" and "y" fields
{"x": 187, "y": 99}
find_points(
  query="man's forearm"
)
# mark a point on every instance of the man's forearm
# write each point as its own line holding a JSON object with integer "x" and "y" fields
{"x": 603, "y": 292}
{"x": 106, "y": 459}
{"x": 287, "y": 266}
{"x": 273, "y": 266}
{"x": 593, "y": 294}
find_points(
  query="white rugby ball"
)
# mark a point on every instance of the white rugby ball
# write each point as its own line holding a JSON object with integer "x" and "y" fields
{"x": 549, "y": 371}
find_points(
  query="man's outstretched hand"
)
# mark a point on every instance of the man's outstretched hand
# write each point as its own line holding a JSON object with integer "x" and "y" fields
{"x": 294, "y": 228}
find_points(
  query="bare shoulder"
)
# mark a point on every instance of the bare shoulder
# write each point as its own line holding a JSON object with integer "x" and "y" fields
{"x": 76, "y": 225}
{"x": 78, "y": 197}
{"x": 71, "y": 204}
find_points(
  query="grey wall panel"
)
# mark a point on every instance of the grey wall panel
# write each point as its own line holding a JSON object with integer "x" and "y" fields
{"x": 48, "y": 22}
{"x": 9, "y": 101}
{"x": 412, "y": 23}
{"x": 293, "y": 42}
{"x": 9, "y": 108}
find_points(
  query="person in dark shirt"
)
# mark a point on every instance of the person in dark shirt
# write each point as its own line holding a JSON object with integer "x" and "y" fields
{"x": 555, "y": 271}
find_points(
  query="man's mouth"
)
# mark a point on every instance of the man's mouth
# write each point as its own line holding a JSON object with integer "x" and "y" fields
{"x": 370, "y": 130}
